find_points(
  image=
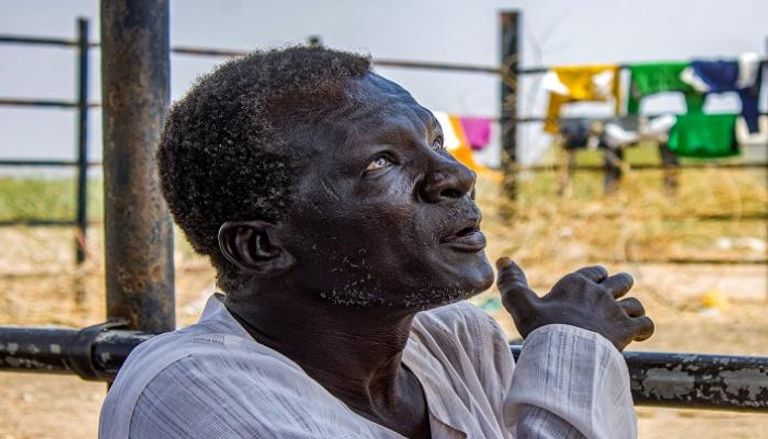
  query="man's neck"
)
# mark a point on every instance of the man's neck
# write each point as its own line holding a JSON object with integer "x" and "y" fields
{"x": 353, "y": 352}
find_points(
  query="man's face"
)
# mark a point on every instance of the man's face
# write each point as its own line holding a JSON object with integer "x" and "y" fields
{"x": 383, "y": 214}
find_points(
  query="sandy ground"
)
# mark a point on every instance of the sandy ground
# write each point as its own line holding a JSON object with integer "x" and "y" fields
{"x": 46, "y": 406}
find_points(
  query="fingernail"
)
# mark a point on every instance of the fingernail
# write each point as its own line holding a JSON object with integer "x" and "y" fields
{"x": 503, "y": 262}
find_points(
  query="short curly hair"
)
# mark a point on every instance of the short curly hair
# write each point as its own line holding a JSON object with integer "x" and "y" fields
{"x": 227, "y": 151}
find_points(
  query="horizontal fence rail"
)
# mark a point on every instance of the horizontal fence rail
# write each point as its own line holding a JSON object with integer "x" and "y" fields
{"x": 656, "y": 378}
{"x": 45, "y": 163}
{"x": 647, "y": 167}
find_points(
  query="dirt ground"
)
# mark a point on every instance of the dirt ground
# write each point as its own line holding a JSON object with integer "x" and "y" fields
{"x": 46, "y": 406}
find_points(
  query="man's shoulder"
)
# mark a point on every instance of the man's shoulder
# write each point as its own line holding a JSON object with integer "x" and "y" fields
{"x": 192, "y": 364}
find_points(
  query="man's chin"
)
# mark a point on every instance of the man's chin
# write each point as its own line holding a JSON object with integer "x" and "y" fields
{"x": 434, "y": 297}
{"x": 472, "y": 280}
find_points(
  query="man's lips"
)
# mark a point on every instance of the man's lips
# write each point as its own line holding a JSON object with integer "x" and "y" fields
{"x": 468, "y": 239}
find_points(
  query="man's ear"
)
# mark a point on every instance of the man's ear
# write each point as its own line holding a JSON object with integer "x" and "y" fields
{"x": 253, "y": 247}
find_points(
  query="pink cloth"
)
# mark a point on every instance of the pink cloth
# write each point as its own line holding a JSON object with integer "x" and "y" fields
{"x": 477, "y": 130}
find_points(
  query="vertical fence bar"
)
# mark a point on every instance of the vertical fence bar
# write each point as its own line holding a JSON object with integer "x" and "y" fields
{"x": 81, "y": 217}
{"x": 510, "y": 62}
{"x": 135, "y": 72}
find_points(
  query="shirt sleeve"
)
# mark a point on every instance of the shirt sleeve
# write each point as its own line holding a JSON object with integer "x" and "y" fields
{"x": 570, "y": 383}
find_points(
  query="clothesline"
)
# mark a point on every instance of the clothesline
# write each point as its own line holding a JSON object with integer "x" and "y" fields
{"x": 621, "y": 66}
{"x": 534, "y": 119}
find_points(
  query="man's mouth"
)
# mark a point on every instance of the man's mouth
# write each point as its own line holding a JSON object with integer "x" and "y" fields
{"x": 468, "y": 239}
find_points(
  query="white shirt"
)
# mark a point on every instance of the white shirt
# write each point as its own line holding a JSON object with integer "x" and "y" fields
{"x": 213, "y": 380}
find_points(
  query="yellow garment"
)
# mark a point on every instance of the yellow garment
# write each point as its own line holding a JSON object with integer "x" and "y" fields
{"x": 455, "y": 141}
{"x": 582, "y": 83}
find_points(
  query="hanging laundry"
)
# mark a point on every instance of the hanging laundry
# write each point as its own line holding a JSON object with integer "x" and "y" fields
{"x": 575, "y": 133}
{"x": 477, "y": 130}
{"x": 632, "y": 130}
{"x": 568, "y": 84}
{"x": 750, "y": 66}
{"x": 617, "y": 137}
{"x": 727, "y": 76}
{"x": 701, "y": 135}
{"x": 744, "y": 137}
{"x": 455, "y": 140}
{"x": 651, "y": 78}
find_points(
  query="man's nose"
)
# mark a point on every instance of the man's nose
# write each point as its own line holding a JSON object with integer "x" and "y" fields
{"x": 447, "y": 181}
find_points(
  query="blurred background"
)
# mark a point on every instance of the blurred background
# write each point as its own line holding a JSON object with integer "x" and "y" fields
{"x": 691, "y": 230}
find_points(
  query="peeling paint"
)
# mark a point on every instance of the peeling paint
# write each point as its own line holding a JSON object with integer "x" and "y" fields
{"x": 26, "y": 363}
{"x": 668, "y": 384}
{"x": 753, "y": 381}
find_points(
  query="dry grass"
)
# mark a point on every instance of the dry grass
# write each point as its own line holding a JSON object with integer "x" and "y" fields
{"x": 547, "y": 235}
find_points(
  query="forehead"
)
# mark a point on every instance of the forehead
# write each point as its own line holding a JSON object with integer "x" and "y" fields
{"x": 376, "y": 103}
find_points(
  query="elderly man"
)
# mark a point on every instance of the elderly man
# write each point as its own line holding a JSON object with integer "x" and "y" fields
{"x": 345, "y": 240}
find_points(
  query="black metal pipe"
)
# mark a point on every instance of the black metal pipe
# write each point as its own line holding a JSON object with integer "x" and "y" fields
{"x": 446, "y": 67}
{"x": 696, "y": 381}
{"x": 505, "y": 117}
{"x": 44, "y": 163}
{"x": 55, "y": 350}
{"x": 38, "y": 163}
{"x": 37, "y": 41}
{"x": 202, "y": 51}
{"x": 38, "y": 223}
{"x": 51, "y": 103}
{"x": 217, "y": 52}
{"x": 648, "y": 167}
{"x": 509, "y": 58}
{"x": 81, "y": 217}
{"x": 135, "y": 76}
{"x": 656, "y": 378}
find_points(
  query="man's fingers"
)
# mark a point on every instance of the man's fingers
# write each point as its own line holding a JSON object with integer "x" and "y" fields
{"x": 510, "y": 271}
{"x": 632, "y": 307}
{"x": 515, "y": 293}
{"x": 643, "y": 328}
{"x": 595, "y": 273}
{"x": 619, "y": 284}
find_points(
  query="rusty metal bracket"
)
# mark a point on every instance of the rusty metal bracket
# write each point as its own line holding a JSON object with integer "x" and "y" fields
{"x": 79, "y": 353}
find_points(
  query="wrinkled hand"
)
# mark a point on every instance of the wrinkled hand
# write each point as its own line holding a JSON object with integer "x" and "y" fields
{"x": 586, "y": 298}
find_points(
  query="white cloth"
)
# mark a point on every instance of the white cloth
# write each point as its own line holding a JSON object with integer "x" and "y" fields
{"x": 451, "y": 139}
{"x": 654, "y": 130}
{"x": 617, "y": 137}
{"x": 744, "y": 137}
{"x": 749, "y": 63}
{"x": 212, "y": 380}
{"x": 689, "y": 76}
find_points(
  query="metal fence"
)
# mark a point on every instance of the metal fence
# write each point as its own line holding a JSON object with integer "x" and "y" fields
{"x": 509, "y": 70}
{"x": 140, "y": 300}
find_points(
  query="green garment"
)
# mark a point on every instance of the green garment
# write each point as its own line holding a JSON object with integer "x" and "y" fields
{"x": 649, "y": 78}
{"x": 704, "y": 135}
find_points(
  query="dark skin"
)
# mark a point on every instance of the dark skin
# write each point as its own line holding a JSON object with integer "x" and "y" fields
{"x": 383, "y": 227}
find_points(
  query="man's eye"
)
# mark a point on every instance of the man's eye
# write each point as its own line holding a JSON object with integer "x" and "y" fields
{"x": 438, "y": 144}
{"x": 378, "y": 163}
